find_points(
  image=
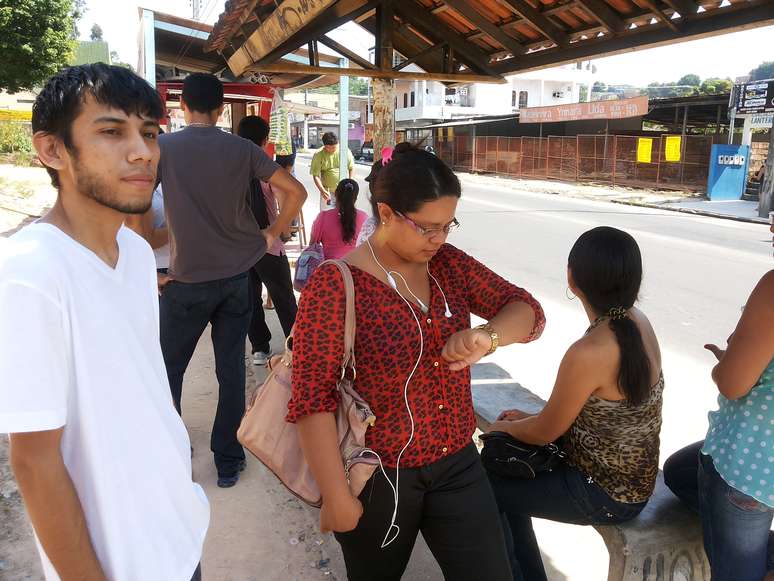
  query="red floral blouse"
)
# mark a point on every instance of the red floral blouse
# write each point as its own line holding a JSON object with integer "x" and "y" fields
{"x": 386, "y": 348}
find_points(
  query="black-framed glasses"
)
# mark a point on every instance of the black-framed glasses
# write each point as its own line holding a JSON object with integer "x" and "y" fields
{"x": 431, "y": 232}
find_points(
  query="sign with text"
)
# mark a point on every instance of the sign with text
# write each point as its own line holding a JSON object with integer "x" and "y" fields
{"x": 620, "y": 109}
{"x": 673, "y": 148}
{"x": 756, "y": 97}
{"x": 645, "y": 150}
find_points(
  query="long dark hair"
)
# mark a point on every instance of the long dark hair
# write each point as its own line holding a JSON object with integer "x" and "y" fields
{"x": 346, "y": 196}
{"x": 411, "y": 178}
{"x": 606, "y": 266}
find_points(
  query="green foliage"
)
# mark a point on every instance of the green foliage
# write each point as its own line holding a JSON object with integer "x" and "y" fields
{"x": 764, "y": 70}
{"x": 715, "y": 86}
{"x": 15, "y": 137}
{"x": 583, "y": 93}
{"x": 599, "y": 87}
{"x": 35, "y": 41}
{"x": 693, "y": 80}
{"x": 96, "y": 32}
{"x": 357, "y": 86}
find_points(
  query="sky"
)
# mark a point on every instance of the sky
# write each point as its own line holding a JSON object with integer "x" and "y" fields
{"x": 730, "y": 55}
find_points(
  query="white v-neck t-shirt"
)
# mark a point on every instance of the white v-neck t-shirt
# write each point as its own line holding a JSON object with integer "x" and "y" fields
{"x": 79, "y": 349}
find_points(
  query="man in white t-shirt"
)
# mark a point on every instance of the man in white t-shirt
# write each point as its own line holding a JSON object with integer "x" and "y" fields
{"x": 100, "y": 455}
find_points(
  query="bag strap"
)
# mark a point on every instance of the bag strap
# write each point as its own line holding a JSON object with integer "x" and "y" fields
{"x": 348, "y": 357}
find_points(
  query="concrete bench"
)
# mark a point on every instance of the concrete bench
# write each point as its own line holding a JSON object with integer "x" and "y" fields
{"x": 664, "y": 542}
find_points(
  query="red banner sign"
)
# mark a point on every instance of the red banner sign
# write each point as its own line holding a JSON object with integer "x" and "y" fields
{"x": 619, "y": 109}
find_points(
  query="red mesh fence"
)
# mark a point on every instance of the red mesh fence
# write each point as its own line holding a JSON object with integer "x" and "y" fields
{"x": 601, "y": 158}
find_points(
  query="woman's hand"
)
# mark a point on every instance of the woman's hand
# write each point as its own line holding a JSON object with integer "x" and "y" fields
{"x": 465, "y": 348}
{"x": 716, "y": 351}
{"x": 513, "y": 415}
{"x": 340, "y": 515}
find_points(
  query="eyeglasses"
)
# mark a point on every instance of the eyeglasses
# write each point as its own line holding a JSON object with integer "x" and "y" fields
{"x": 431, "y": 232}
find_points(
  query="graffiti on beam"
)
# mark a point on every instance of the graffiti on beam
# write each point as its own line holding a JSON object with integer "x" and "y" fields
{"x": 286, "y": 20}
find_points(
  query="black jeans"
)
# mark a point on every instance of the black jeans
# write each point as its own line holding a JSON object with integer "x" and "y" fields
{"x": 274, "y": 272}
{"x": 562, "y": 495}
{"x": 186, "y": 309}
{"x": 451, "y": 502}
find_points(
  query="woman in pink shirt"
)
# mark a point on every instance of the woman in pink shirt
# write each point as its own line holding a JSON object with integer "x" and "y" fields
{"x": 337, "y": 229}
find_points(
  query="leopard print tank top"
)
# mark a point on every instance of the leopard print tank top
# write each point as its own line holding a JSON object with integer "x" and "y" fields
{"x": 617, "y": 445}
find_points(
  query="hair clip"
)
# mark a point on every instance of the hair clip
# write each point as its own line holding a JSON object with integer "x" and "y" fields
{"x": 387, "y": 155}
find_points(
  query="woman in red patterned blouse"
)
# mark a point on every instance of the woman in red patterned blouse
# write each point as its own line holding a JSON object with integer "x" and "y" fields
{"x": 413, "y": 345}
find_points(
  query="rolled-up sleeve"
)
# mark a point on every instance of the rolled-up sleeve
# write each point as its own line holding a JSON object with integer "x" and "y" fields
{"x": 261, "y": 165}
{"x": 318, "y": 344}
{"x": 488, "y": 293}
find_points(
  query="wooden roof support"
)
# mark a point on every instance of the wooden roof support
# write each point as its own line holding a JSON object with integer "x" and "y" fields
{"x": 286, "y": 67}
{"x": 442, "y": 32}
{"x": 605, "y": 15}
{"x": 419, "y": 55}
{"x": 686, "y": 8}
{"x": 539, "y": 21}
{"x": 651, "y": 5}
{"x": 486, "y": 26}
{"x": 754, "y": 13}
{"x": 385, "y": 25}
{"x": 344, "y": 51}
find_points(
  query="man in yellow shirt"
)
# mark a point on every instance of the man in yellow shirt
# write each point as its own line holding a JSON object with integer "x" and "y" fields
{"x": 325, "y": 169}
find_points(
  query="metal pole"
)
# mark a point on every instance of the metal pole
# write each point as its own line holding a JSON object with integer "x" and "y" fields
{"x": 343, "y": 122}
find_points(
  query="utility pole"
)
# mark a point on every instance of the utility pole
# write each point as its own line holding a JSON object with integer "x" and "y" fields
{"x": 197, "y": 7}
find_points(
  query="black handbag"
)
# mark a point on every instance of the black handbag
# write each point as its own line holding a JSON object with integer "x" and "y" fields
{"x": 508, "y": 457}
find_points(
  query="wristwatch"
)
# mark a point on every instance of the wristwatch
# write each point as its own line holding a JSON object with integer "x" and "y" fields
{"x": 493, "y": 336}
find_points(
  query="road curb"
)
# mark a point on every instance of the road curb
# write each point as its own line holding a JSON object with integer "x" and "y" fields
{"x": 692, "y": 211}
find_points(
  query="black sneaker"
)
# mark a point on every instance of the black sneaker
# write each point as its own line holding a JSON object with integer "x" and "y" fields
{"x": 231, "y": 479}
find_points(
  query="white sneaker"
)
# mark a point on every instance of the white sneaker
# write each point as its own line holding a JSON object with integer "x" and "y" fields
{"x": 261, "y": 357}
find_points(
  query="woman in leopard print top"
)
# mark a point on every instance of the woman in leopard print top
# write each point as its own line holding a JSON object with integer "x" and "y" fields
{"x": 606, "y": 407}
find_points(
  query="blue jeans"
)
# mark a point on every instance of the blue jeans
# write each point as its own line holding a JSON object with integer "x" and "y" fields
{"x": 562, "y": 495}
{"x": 185, "y": 311}
{"x": 736, "y": 527}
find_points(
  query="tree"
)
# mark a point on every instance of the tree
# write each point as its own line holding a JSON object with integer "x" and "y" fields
{"x": 764, "y": 70}
{"x": 692, "y": 80}
{"x": 599, "y": 87}
{"x": 35, "y": 41}
{"x": 96, "y": 32}
{"x": 583, "y": 93}
{"x": 716, "y": 86}
{"x": 78, "y": 10}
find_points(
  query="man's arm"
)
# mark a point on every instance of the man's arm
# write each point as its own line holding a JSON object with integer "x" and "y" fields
{"x": 323, "y": 192}
{"x": 293, "y": 198}
{"x": 53, "y": 505}
{"x": 350, "y": 164}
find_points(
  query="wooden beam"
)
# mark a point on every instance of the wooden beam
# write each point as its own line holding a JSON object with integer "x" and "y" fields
{"x": 554, "y": 11}
{"x": 651, "y": 5}
{"x": 285, "y": 67}
{"x": 605, "y": 15}
{"x": 385, "y": 24}
{"x": 444, "y": 33}
{"x": 419, "y": 55}
{"x": 343, "y": 51}
{"x": 751, "y": 14}
{"x": 686, "y": 8}
{"x": 539, "y": 20}
{"x": 485, "y": 25}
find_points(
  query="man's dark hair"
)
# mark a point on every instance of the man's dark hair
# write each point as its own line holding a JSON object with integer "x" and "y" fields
{"x": 254, "y": 128}
{"x": 60, "y": 101}
{"x": 286, "y": 161}
{"x": 202, "y": 92}
{"x": 330, "y": 138}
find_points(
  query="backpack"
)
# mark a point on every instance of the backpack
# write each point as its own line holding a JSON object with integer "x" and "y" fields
{"x": 308, "y": 261}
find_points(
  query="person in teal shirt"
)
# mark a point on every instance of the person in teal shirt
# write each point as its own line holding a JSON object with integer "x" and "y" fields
{"x": 325, "y": 169}
{"x": 729, "y": 477}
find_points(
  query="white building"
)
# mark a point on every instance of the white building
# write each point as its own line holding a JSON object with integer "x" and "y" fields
{"x": 420, "y": 103}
